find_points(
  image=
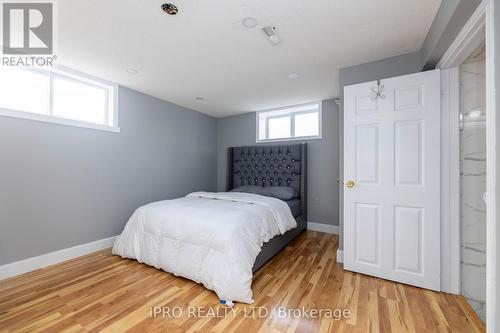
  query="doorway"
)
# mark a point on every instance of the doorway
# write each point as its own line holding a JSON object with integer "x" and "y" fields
{"x": 478, "y": 33}
{"x": 473, "y": 176}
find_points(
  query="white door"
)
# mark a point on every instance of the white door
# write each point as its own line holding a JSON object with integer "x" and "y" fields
{"x": 392, "y": 179}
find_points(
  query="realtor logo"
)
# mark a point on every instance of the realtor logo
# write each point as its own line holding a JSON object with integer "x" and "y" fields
{"x": 27, "y": 28}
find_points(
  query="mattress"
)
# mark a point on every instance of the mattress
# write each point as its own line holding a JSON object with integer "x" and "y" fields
{"x": 294, "y": 205}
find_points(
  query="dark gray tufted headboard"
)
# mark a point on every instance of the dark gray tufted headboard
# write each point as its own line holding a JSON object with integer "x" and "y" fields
{"x": 284, "y": 165}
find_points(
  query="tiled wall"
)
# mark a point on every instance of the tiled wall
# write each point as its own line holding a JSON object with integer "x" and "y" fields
{"x": 473, "y": 182}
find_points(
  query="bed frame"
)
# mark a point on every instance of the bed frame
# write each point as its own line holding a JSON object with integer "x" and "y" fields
{"x": 283, "y": 165}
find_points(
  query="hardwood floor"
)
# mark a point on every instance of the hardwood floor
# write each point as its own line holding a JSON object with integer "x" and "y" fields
{"x": 104, "y": 293}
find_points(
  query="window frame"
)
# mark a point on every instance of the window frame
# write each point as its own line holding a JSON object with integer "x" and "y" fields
{"x": 60, "y": 72}
{"x": 292, "y": 114}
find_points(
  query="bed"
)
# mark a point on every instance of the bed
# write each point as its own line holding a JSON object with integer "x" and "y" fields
{"x": 276, "y": 165}
{"x": 220, "y": 239}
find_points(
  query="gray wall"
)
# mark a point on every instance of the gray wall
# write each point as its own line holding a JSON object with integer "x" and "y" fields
{"x": 322, "y": 160}
{"x": 449, "y": 21}
{"x": 395, "y": 66}
{"x": 438, "y": 27}
{"x": 63, "y": 186}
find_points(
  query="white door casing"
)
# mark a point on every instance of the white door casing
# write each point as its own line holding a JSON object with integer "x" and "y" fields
{"x": 392, "y": 154}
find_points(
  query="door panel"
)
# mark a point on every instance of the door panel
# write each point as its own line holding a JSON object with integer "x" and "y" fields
{"x": 367, "y": 154}
{"x": 367, "y": 233}
{"x": 408, "y": 239}
{"x": 392, "y": 157}
{"x": 408, "y": 159}
{"x": 365, "y": 104}
{"x": 408, "y": 98}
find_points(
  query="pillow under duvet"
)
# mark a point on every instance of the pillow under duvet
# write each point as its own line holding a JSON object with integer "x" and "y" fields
{"x": 278, "y": 192}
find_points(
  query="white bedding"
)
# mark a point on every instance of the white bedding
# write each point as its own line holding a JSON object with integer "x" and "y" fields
{"x": 210, "y": 238}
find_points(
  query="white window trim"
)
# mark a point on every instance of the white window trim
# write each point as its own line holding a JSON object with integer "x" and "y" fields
{"x": 70, "y": 74}
{"x": 292, "y": 124}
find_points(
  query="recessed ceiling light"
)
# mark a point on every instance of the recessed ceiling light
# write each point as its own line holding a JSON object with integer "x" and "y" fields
{"x": 293, "y": 76}
{"x": 199, "y": 98}
{"x": 132, "y": 71}
{"x": 249, "y": 22}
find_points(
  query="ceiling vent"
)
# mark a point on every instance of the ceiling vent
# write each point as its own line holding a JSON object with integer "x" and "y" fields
{"x": 271, "y": 35}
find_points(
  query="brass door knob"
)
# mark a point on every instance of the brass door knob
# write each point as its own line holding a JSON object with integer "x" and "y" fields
{"x": 350, "y": 184}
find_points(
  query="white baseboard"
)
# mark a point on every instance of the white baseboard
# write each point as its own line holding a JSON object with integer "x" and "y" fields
{"x": 52, "y": 258}
{"x": 340, "y": 256}
{"x": 327, "y": 228}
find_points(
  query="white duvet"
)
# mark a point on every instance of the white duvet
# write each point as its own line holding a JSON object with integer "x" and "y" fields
{"x": 210, "y": 238}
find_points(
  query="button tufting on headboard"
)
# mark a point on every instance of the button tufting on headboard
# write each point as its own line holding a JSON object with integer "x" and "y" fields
{"x": 289, "y": 165}
{"x": 281, "y": 165}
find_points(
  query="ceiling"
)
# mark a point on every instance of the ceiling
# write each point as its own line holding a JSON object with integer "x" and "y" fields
{"x": 205, "y": 51}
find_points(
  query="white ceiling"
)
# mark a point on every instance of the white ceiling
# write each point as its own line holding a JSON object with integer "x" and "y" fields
{"x": 205, "y": 51}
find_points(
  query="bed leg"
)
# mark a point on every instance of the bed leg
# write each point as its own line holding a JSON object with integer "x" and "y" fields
{"x": 228, "y": 303}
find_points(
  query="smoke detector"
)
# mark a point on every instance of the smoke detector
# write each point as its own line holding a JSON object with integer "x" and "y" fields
{"x": 271, "y": 34}
{"x": 169, "y": 8}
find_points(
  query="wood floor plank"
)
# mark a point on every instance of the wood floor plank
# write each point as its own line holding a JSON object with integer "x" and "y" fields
{"x": 100, "y": 292}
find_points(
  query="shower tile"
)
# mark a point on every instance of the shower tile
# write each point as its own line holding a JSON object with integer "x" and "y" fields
{"x": 473, "y": 185}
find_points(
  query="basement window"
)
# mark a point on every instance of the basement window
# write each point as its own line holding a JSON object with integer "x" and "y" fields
{"x": 58, "y": 96}
{"x": 299, "y": 122}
